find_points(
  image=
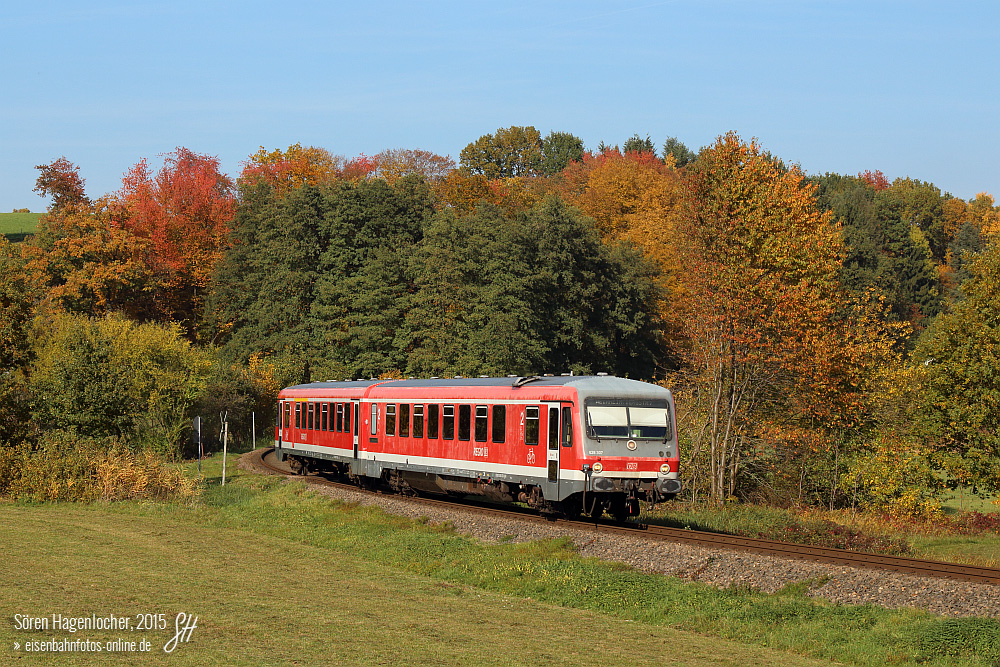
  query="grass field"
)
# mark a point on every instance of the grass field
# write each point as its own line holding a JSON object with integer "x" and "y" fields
{"x": 278, "y": 575}
{"x": 15, "y": 226}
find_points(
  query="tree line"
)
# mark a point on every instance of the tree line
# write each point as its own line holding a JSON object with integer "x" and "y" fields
{"x": 828, "y": 337}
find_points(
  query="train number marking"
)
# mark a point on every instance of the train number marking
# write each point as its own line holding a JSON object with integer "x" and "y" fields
{"x": 480, "y": 451}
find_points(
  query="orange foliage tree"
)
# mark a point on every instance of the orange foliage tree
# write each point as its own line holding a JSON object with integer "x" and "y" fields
{"x": 183, "y": 214}
{"x": 768, "y": 356}
{"x": 81, "y": 263}
{"x": 285, "y": 170}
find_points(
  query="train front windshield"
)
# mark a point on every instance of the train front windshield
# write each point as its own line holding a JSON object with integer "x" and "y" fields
{"x": 633, "y": 419}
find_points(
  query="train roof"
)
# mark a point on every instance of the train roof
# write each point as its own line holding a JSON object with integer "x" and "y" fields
{"x": 585, "y": 384}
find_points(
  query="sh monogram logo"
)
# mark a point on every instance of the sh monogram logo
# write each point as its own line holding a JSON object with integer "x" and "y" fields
{"x": 184, "y": 626}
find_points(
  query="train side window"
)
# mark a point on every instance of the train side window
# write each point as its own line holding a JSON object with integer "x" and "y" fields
{"x": 298, "y": 415}
{"x": 449, "y": 422}
{"x": 288, "y": 414}
{"x": 347, "y": 417}
{"x": 324, "y": 413}
{"x": 340, "y": 417}
{"x": 499, "y": 423}
{"x": 418, "y": 421}
{"x": 482, "y": 425}
{"x": 404, "y": 420}
{"x": 310, "y": 412}
{"x": 553, "y": 428}
{"x": 567, "y": 427}
{"x": 374, "y": 419}
{"x": 464, "y": 422}
{"x": 531, "y": 425}
{"x": 390, "y": 419}
{"x": 432, "y": 421}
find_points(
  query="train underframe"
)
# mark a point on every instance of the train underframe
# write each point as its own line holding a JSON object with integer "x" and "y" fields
{"x": 618, "y": 497}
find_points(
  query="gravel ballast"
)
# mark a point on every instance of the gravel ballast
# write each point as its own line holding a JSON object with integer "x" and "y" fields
{"x": 717, "y": 567}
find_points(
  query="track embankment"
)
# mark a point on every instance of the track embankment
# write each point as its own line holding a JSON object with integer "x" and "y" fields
{"x": 720, "y": 560}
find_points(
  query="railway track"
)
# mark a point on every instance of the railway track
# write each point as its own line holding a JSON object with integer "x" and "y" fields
{"x": 927, "y": 568}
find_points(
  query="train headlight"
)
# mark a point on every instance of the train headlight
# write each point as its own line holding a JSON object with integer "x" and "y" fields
{"x": 665, "y": 468}
{"x": 598, "y": 467}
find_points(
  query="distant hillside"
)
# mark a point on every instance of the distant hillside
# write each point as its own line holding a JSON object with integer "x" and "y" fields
{"x": 16, "y": 226}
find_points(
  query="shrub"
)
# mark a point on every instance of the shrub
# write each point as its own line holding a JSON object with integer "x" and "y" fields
{"x": 892, "y": 477}
{"x": 114, "y": 377}
{"x": 67, "y": 468}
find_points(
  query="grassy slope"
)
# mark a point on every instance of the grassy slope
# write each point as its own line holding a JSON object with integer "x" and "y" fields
{"x": 14, "y": 223}
{"x": 15, "y": 226}
{"x": 261, "y": 597}
{"x": 383, "y": 590}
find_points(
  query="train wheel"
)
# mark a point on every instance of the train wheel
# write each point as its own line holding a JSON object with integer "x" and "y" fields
{"x": 618, "y": 507}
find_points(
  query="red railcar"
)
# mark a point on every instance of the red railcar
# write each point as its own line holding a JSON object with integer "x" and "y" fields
{"x": 566, "y": 444}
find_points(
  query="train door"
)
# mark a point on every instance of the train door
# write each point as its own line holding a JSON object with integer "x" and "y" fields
{"x": 356, "y": 407}
{"x": 550, "y": 487}
{"x": 280, "y": 435}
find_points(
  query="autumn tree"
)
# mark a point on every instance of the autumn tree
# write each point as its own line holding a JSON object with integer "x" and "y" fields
{"x": 398, "y": 162}
{"x": 61, "y": 180}
{"x": 958, "y": 357}
{"x": 510, "y": 152}
{"x": 80, "y": 262}
{"x": 183, "y": 212}
{"x": 761, "y": 278}
{"x": 292, "y": 168}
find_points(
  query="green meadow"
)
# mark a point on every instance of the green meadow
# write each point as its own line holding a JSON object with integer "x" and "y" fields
{"x": 16, "y": 226}
{"x": 279, "y": 575}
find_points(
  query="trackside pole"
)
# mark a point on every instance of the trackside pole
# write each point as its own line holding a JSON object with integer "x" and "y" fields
{"x": 197, "y": 439}
{"x": 253, "y": 429}
{"x": 225, "y": 446}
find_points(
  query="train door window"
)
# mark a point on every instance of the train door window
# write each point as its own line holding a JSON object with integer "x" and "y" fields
{"x": 449, "y": 422}
{"x": 499, "y": 423}
{"x": 404, "y": 420}
{"x": 553, "y": 428}
{"x": 432, "y": 421}
{"x": 464, "y": 422}
{"x": 531, "y": 425}
{"x": 288, "y": 414}
{"x": 482, "y": 425}
{"x": 374, "y": 419}
{"x": 324, "y": 413}
{"x": 418, "y": 421}
{"x": 340, "y": 417}
{"x": 347, "y": 417}
{"x": 298, "y": 415}
{"x": 567, "y": 426}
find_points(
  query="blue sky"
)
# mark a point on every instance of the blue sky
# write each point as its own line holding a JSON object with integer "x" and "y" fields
{"x": 910, "y": 88}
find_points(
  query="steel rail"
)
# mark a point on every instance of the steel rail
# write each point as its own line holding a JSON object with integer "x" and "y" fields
{"x": 901, "y": 564}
